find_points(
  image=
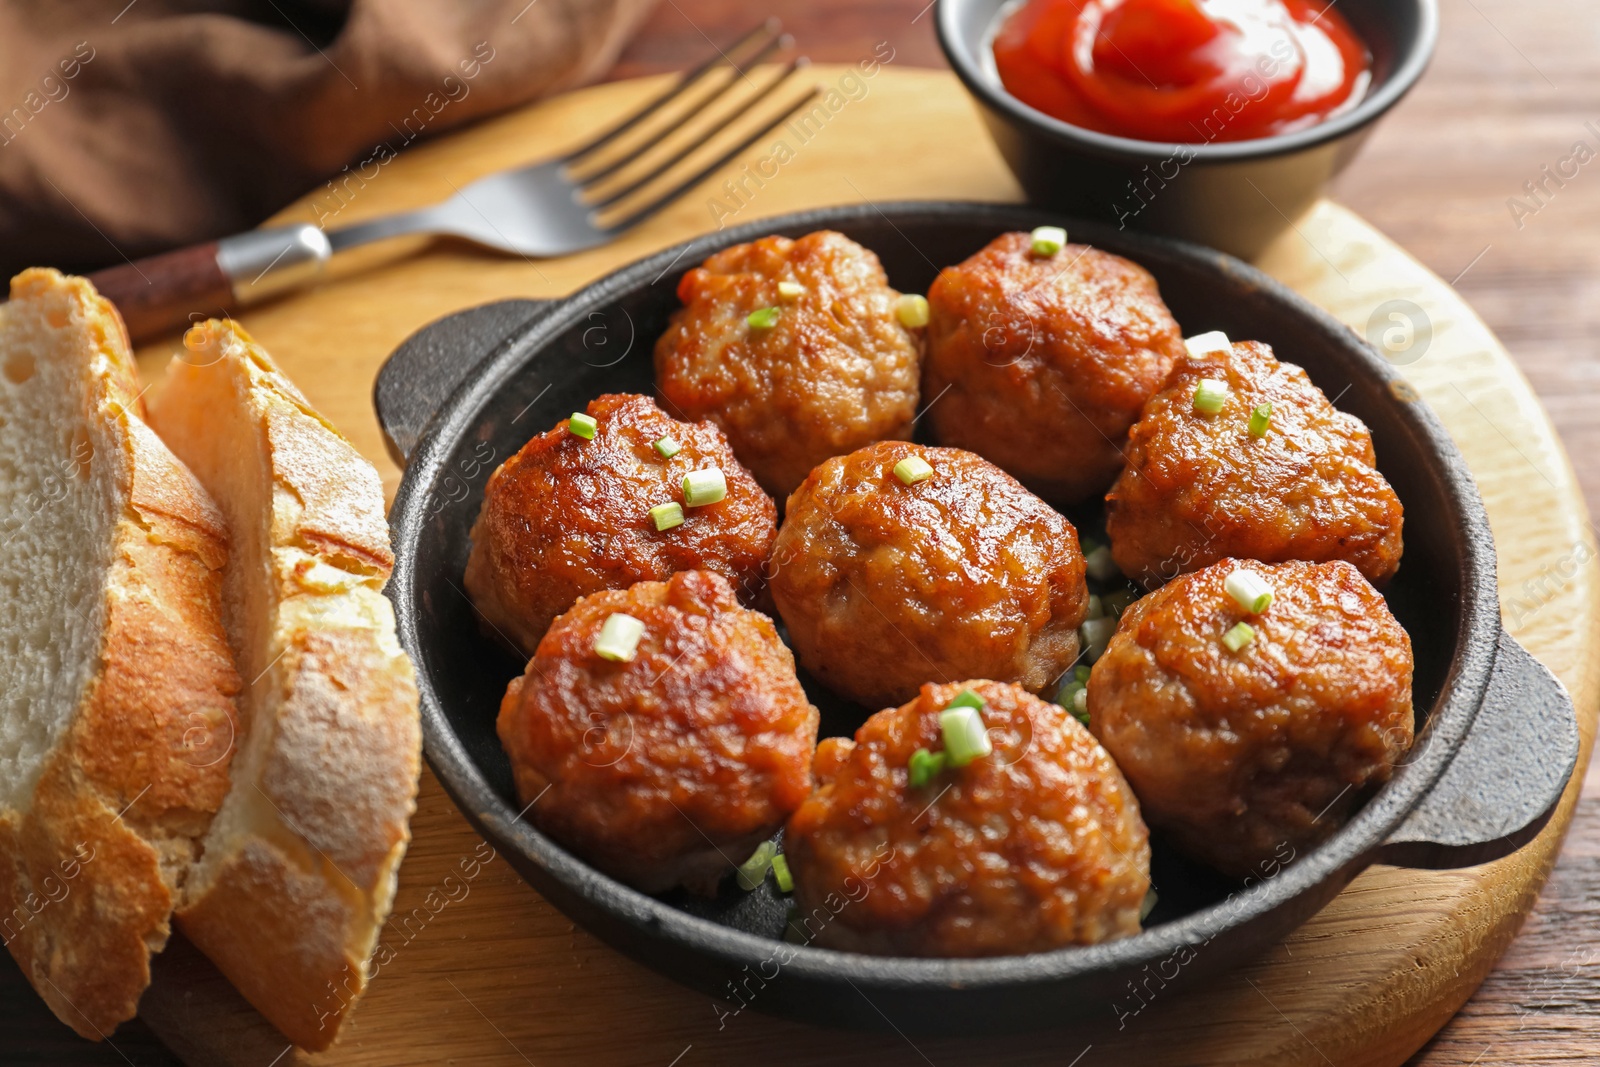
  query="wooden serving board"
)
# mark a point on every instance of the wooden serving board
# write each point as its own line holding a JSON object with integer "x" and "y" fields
{"x": 481, "y": 970}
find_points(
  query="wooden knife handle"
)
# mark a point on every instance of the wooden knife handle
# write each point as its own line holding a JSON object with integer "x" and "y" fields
{"x": 160, "y": 293}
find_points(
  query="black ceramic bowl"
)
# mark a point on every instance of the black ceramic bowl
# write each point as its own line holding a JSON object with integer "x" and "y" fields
{"x": 1232, "y": 195}
{"x": 1497, "y": 737}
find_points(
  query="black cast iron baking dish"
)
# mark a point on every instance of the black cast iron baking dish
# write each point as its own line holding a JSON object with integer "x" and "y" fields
{"x": 1497, "y": 736}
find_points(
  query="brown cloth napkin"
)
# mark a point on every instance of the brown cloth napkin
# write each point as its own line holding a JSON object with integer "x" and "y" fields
{"x": 130, "y": 128}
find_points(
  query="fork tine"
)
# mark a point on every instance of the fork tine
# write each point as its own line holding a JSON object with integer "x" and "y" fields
{"x": 683, "y": 120}
{"x": 769, "y": 27}
{"x": 699, "y": 176}
{"x": 705, "y": 137}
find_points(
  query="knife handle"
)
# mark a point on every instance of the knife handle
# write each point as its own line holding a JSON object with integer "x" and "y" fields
{"x": 164, "y": 292}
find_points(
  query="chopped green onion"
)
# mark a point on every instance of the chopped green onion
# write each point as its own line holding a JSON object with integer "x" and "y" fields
{"x": 912, "y": 310}
{"x": 1101, "y": 567}
{"x": 1074, "y": 696}
{"x": 703, "y": 487}
{"x": 619, "y": 638}
{"x": 1240, "y": 636}
{"x": 965, "y": 699}
{"x": 1215, "y": 341}
{"x": 965, "y": 736}
{"x": 925, "y": 767}
{"x": 1097, "y": 608}
{"x": 763, "y": 318}
{"x": 753, "y": 871}
{"x": 666, "y": 448}
{"x": 1120, "y": 601}
{"x": 1081, "y": 673}
{"x": 1148, "y": 905}
{"x": 1260, "y": 419}
{"x": 790, "y": 291}
{"x": 1210, "y": 395}
{"x": 1250, "y": 590}
{"x": 1096, "y": 635}
{"x": 913, "y": 469}
{"x": 1048, "y": 240}
{"x": 581, "y": 425}
{"x": 781, "y": 873}
{"x": 667, "y": 515}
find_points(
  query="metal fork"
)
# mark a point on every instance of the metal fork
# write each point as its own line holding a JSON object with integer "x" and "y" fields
{"x": 584, "y": 198}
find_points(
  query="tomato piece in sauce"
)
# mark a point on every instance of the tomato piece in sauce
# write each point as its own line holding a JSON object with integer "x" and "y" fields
{"x": 1183, "y": 70}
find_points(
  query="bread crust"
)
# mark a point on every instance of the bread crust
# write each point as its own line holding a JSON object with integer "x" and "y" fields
{"x": 300, "y": 868}
{"x": 98, "y": 859}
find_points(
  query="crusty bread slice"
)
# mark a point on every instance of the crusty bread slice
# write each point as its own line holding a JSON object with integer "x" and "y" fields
{"x": 116, "y": 683}
{"x": 299, "y": 867}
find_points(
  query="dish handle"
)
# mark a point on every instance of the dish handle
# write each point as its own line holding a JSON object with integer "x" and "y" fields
{"x": 420, "y": 375}
{"x": 1505, "y": 781}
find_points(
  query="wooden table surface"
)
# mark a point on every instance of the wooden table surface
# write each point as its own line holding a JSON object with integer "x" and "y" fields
{"x": 1511, "y": 90}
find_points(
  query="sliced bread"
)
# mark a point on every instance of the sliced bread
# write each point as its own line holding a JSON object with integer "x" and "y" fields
{"x": 299, "y": 868}
{"x": 117, "y": 685}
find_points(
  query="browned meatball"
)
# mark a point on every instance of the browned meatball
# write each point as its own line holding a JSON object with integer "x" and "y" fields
{"x": 660, "y": 769}
{"x": 885, "y": 586}
{"x": 1249, "y": 758}
{"x": 1035, "y": 846}
{"x": 1200, "y": 487}
{"x": 836, "y": 371}
{"x": 1041, "y": 363}
{"x": 566, "y": 517}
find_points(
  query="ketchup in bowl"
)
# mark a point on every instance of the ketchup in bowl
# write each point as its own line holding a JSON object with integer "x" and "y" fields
{"x": 1189, "y": 71}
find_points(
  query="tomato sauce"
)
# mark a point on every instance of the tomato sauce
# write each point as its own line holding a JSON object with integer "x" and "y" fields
{"x": 1189, "y": 71}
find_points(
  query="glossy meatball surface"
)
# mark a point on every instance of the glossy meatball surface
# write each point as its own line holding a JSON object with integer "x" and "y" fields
{"x": 566, "y": 517}
{"x": 658, "y": 769}
{"x": 885, "y": 586}
{"x": 1253, "y": 757}
{"x": 834, "y": 372}
{"x": 1035, "y": 846}
{"x": 1199, "y": 487}
{"x": 1041, "y": 363}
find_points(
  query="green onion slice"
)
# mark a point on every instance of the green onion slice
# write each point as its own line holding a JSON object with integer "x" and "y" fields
{"x": 1249, "y": 589}
{"x": 781, "y": 873}
{"x": 619, "y": 638}
{"x": 753, "y": 871}
{"x": 763, "y": 318}
{"x": 667, "y": 515}
{"x": 925, "y": 766}
{"x": 1100, "y": 565}
{"x": 1215, "y": 341}
{"x": 1097, "y": 608}
{"x": 581, "y": 425}
{"x": 1081, "y": 673}
{"x": 913, "y": 469}
{"x": 1096, "y": 635}
{"x": 666, "y": 448}
{"x": 965, "y": 736}
{"x": 703, "y": 487}
{"x": 965, "y": 699}
{"x": 1240, "y": 636}
{"x": 1210, "y": 395}
{"x": 1048, "y": 240}
{"x": 790, "y": 291}
{"x": 1074, "y": 696}
{"x": 912, "y": 310}
{"x": 1260, "y": 419}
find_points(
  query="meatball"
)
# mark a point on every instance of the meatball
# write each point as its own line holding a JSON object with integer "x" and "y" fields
{"x": 1041, "y": 363}
{"x": 1250, "y": 757}
{"x": 835, "y": 371}
{"x": 1200, "y": 487}
{"x": 1035, "y": 846}
{"x": 660, "y": 769}
{"x": 884, "y": 586}
{"x": 566, "y": 517}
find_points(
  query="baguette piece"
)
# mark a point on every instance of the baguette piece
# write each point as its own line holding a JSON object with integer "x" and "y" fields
{"x": 300, "y": 865}
{"x": 117, "y": 685}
